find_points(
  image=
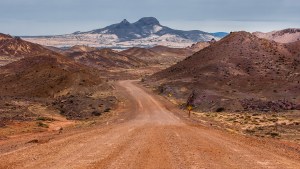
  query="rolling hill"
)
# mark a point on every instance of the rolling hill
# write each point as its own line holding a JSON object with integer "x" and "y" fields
{"x": 14, "y": 48}
{"x": 241, "y": 72}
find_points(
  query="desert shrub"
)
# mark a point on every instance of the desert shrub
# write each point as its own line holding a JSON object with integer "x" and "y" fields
{"x": 273, "y": 134}
{"x": 249, "y": 131}
{"x": 33, "y": 141}
{"x": 160, "y": 89}
{"x": 231, "y": 119}
{"x": 41, "y": 124}
{"x": 273, "y": 120}
{"x": 259, "y": 128}
{"x": 220, "y": 109}
{"x": 96, "y": 113}
{"x": 45, "y": 119}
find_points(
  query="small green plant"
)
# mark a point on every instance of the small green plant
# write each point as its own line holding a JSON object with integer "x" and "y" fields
{"x": 45, "y": 119}
{"x": 41, "y": 124}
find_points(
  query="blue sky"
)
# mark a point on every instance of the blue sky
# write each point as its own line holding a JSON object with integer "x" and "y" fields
{"x": 49, "y": 17}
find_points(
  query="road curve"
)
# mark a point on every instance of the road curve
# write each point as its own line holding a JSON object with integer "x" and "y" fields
{"x": 154, "y": 138}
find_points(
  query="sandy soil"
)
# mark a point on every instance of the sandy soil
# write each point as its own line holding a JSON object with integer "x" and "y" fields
{"x": 152, "y": 136}
{"x": 283, "y": 125}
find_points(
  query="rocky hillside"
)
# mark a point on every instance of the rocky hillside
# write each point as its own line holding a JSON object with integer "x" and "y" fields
{"x": 56, "y": 82}
{"x": 44, "y": 76}
{"x": 14, "y": 48}
{"x": 163, "y": 55}
{"x": 199, "y": 46}
{"x": 148, "y": 56}
{"x": 33, "y": 75}
{"x": 239, "y": 73}
{"x": 104, "y": 58}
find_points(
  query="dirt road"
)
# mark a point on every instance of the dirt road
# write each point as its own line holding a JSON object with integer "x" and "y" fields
{"x": 152, "y": 138}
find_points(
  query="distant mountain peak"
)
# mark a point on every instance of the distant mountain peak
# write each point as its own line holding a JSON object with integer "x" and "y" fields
{"x": 124, "y": 21}
{"x": 148, "y": 21}
{"x": 281, "y": 36}
{"x": 146, "y": 32}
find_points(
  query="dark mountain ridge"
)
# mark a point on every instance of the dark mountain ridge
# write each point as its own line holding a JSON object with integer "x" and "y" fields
{"x": 147, "y": 26}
